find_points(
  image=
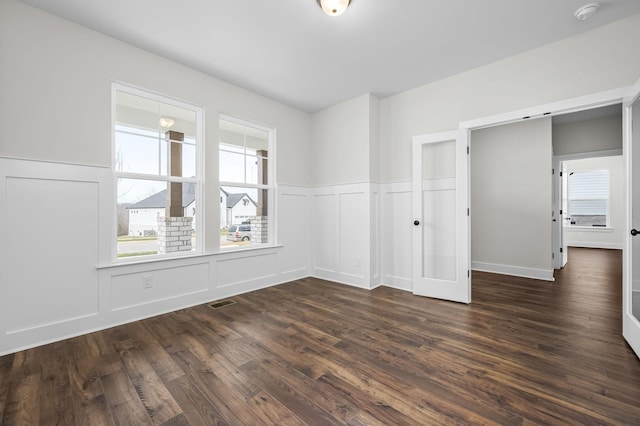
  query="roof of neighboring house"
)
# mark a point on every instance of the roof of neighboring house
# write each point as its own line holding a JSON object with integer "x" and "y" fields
{"x": 233, "y": 199}
{"x": 159, "y": 199}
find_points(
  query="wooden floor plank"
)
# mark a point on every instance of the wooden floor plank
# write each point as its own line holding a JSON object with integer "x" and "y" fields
{"x": 197, "y": 408}
{"x": 524, "y": 352}
{"x": 155, "y": 397}
{"x": 123, "y": 400}
{"x": 6, "y": 363}
{"x": 56, "y": 398}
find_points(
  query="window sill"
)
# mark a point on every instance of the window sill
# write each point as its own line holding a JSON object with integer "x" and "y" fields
{"x": 589, "y": 228}
{"x": 191, "y": 256}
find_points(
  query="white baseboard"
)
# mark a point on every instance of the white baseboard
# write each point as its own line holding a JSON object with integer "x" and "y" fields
{"x": 518, "y": 271}
{"x": 399, "y": 283}
{"x": 341, "y": 278}
{"x": 595, "y": 244}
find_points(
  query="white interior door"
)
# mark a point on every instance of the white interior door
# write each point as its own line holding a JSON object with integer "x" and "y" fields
{"x": 565, "y": 219}
{"x": 631, "y": 271}
{"x": 440, "y": 216}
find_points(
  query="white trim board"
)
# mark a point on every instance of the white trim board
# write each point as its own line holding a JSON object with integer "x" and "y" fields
{"x": 585, "y": 155}
{"x": 565, "y": 106}
{"x": 594, "y": 244}
{"x": 517, "y": 271}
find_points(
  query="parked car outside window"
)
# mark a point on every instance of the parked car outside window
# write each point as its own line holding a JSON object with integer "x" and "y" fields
{"x": 239, "y": 233}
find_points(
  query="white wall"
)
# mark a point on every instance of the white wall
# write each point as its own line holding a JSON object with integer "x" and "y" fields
{"x": 341, "y": 143}
{"x": 598, "y": 134}
{"x": 58, "y": 278}
{"x": 592, "y": 62}
{"x": 613, "y": 236}
{"x": 599, "y": 60}
{"x": 511, "y": 199}
{"x": 345, "y": 202}
{"x": 58, "y": 74}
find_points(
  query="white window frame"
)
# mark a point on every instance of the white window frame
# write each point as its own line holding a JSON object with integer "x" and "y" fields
{"x": 198, "y": 180}
{"x": 608, "y": 213}
{"x": 270, "y": 186}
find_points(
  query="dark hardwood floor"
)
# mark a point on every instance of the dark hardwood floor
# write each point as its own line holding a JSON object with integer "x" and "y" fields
{"x": 314, "y": 352}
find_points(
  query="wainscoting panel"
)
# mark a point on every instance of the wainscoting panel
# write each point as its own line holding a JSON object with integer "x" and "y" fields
{"x": 246, "y": 272}
{"x": 293, "y": 231}
{"x": 49, "y": 249}
{"x": 353, "y": 233}
{"x": 396, "y": 231}
{"x": 341, "y": 230}
{"x": 324, "y": 226}
{"x": 57, "y": 275}
{"x": 375, "y": 236}
{"x": 51, "y": 252}
{"x": 142, "y": 288}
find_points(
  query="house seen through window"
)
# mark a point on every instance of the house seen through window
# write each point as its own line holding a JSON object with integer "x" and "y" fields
{"x": 246, "y": 186}
{"x": 155, "y": 167}
{"x": 589, "y": 198}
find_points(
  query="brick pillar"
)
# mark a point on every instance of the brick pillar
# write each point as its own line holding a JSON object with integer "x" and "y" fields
{"x": 174, "y": 234}
{"x": 259, "y": 229}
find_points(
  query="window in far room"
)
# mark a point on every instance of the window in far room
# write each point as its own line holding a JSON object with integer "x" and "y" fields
{"x": 246, "y": 184}
{"x": 589, "y": 198}
{"x": 156, "y": 144}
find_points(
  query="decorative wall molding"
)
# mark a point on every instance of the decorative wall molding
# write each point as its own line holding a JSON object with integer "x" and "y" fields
{"x": 62, "y": 218}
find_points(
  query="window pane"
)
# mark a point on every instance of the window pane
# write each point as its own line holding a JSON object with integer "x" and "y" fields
{"x": 143, "y": 226}
{"x": 232, "y": 167}
{"x": 243, "y": 216}
{"x": 256, "y": 169}
{"x": 589, "y": 197}
{"x": 136, "y": 153}
{"x": 188, "y": 160}
{"x": 157, "y": 139}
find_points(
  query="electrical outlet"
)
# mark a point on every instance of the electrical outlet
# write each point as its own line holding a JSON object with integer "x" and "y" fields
{"x": 147, "y": 281}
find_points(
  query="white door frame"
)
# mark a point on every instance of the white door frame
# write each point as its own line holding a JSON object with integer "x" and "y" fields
{"x": 630, "y": 324}
{"x": 559, "y": 230}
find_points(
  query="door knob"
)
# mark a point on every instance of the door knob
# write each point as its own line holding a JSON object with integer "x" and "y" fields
{"x": 416, "y": 222}
{"x": 635, "y": 232}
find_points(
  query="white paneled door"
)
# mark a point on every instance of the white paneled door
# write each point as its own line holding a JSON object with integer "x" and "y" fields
{"x": 631, "y": 273}
{"x": 440, "y": 216}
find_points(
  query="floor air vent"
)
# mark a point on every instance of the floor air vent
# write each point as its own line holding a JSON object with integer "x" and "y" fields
{"x": 221, "y": 303}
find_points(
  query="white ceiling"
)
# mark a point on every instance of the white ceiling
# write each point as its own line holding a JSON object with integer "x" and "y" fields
{"x": 289, "y": 50}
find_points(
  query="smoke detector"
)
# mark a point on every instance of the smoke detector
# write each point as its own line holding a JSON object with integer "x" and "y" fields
{"x": 586, "y": 11}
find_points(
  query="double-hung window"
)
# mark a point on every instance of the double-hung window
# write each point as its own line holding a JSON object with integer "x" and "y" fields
{"x": 156, "y": 167}
{"x": 246, "y": 183}
{"x": 589, "y": 198}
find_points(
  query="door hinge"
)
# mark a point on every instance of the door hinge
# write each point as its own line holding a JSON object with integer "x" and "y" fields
{"x": 560, "y": 249}
{"x": 560, "y": 212}
{"x": 553, "y": 255}
{"x": 560, "y": 174}
{"x": 467, "y": 150}
{"x": 468, "y": 211}
{"x": 553, "y": 171}
{"x": 468, "y": 273}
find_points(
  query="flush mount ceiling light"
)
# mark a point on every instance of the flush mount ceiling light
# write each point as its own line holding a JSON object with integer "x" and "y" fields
{"x": 166, "y": 122}
{"x": 334, "y": 7}
{"x": 586, "y": 11}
